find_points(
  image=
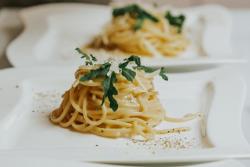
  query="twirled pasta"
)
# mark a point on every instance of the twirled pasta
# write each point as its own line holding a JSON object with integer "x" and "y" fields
{"x": 151, "y": 40}
{"x": 139, "y": 109}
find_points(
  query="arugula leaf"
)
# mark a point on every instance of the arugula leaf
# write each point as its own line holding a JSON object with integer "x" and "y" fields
{"x": 88, "y": 63}
{"x": 110, "y": 90}
{"x": 147, "y": 69}
{"x": 128, "y": 74}
{"x": 89, "y": 59}
{"x": 132, "y": 58}
{"x": 162, "y": 73}
{"x": 101, "y": 71}
{"x": 123, "y": 10}
{"x": 176, "y": 21}
{"x": 135, "y": 11}
{"x": 123, "y": 65}
{"x": 84, "y": 55}
{"x": 113, "y": 103}
{"x": 150, "y": 70}
{"x": 93, "y": 58}
{"x": 136, "y": 59}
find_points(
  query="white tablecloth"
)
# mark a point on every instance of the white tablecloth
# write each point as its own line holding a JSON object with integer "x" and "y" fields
{"x": 10, "y": 27}
{"x": 241, "y": 47}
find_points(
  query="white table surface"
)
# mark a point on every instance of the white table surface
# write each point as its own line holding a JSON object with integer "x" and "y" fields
{"x": 241, "y": 46}
{"x": 10, "y": 26}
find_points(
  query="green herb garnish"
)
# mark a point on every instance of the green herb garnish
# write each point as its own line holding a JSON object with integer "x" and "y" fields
{"x": 147, "y": 69}
{"x": 89, "y": 59}
{"x": 129, "y": 72}
{"x": 110, "y": 90}
{"x": 137, "y": 12}
{"x": 126, "y": 72}
{"x": 162, "y": 73}
{"x": 176, "y": 21}
{"x": 101, "y": 71}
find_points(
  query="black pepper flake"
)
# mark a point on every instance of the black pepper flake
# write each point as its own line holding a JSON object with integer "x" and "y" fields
{"x": 167, "y": 143}
{"x": 17, "y": 86}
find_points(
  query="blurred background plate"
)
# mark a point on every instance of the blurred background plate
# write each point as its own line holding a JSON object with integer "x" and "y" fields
{"x": 53, "y": 31}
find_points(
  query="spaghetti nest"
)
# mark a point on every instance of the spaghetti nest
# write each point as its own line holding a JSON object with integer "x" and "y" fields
{"x": 153, "y": 38}
{"x": 138, "y": 113}
{"x": 139, "y": 110}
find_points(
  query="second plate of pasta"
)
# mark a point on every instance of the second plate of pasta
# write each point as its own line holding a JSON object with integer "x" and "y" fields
{"x": 173, "y": 37}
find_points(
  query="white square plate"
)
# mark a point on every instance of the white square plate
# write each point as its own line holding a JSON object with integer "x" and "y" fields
{"x": 52, "y": 32}
{"x": 25, "y": 161}
{"x": 28, "y": 95}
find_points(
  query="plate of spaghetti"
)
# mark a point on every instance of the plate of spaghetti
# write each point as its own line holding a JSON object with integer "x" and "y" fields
{"x": 135, "y": 30}
{"x": 121, "y": 111}
{"x": 160, "y": 36}
{"x": 132, "y": 108}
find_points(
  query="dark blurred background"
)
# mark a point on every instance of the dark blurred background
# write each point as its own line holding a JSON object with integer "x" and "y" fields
{"x": 227, "y": 3}
{"x": 23, "y": 3}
